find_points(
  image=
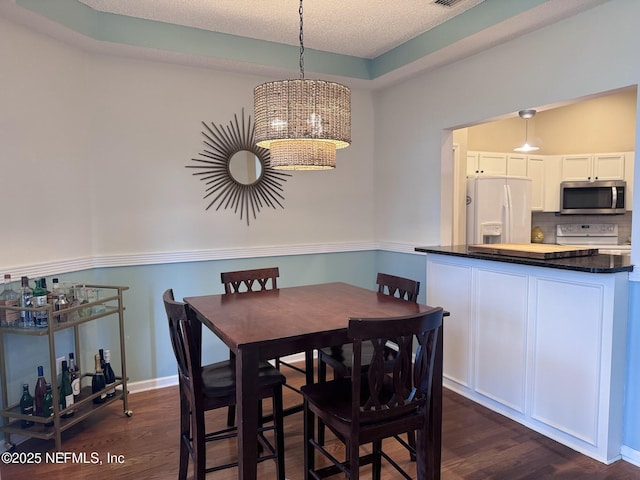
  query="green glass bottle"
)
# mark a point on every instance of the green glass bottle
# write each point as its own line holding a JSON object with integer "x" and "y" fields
{"x": 26, "y": 406}
{"x": 40, "y": 300}
{"x": 47, "y": 404}
{"x": 66, "y": 392}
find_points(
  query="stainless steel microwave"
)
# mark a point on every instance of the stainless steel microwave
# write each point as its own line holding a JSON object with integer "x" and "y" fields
{"x": 605, "y": 197}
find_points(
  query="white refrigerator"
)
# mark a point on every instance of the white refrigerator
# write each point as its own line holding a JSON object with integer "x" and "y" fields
{"x": 498, "y": 210}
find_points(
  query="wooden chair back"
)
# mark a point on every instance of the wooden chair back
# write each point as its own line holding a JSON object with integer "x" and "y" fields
{"x": 185, "y": 348}
{"x": 400, "y": 287}
{"x": 249, "y": 280}
{"x": 388, "y": 395}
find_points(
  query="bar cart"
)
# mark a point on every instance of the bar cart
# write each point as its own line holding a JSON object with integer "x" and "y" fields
{"x": 109, "y": 303}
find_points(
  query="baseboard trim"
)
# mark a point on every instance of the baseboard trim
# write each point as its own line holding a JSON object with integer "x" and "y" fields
{"x": 630, "y": 455}
{"x": 153, "y": 384}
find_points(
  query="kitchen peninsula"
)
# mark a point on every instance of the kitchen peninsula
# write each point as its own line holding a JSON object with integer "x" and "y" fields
{"x": 541, "y": 341}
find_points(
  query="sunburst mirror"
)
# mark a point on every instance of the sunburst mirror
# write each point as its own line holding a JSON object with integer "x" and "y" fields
{"x": 237, "y": 173}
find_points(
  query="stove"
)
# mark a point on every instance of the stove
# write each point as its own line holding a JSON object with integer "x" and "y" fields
{"x": 603, "y": 236}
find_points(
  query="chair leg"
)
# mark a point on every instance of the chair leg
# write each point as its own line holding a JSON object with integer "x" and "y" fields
{"x": 376, "y": 467}
{"x": 198, "y": 431}
{"x": 309, "y": 451}
{"x": 421, "y": 453}
{"x": 278, "y": 415}
{"x": 411, "y": 440}
{"x": 185, "y": 434}
{"x": 231, "y": 416}
{"x": 354, "y": 460}
{"x": 322, "y": 378}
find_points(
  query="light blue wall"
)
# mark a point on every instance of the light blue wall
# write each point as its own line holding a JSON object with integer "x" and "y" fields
{"x": 632, "y": 397}
{"x": 148, "y": 351}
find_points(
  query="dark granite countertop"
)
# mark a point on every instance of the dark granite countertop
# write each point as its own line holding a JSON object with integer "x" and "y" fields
{"x": 599, "y": 263}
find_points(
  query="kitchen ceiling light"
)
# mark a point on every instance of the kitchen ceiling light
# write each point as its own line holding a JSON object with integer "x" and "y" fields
{"x": 526, "y": 115}
{"x": 302, "y": 121}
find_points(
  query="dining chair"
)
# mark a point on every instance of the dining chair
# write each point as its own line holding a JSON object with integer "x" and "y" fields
{"x": 243, "y": 281}
{"x": 339, "y": 357}
{"x": 204, "y": 388}
{"x": 378, "y": 404}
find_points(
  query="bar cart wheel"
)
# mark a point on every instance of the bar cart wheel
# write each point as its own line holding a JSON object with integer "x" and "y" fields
{"x": 128, "y": 413}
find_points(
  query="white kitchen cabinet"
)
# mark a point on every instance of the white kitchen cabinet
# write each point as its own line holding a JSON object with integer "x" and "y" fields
{"x": 589, "y": 168}
{"x": 486, "y": 163}
{"x": 536, "y": 172}
{"x": 544, "y": 347}
{"x": 517, "y": 165}
{"x": 552, "y": 179}
{"x": 629, "y": 163}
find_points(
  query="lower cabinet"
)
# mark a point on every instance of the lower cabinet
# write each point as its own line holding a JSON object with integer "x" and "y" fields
{"x": 545, "y": 347}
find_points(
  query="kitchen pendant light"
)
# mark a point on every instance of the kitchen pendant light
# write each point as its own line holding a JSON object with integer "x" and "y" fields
{"x": 302, "y": 121}
{"x": 526, "y": 115}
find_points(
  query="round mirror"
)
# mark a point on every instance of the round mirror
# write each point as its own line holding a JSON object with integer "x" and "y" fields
{"x": 237, "y": 173}
{"x": 245, "y": 167}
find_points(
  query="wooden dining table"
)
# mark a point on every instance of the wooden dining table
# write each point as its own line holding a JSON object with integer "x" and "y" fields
{"x": 274, "y": 323}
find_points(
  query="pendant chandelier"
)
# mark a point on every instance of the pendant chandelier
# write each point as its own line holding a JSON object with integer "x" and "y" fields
{"x": 302, "y": 121}
{"x": 526, "y": 115}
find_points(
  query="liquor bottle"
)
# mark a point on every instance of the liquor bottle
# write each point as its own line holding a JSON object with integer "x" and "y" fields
{"x": 74, "y": 375}
{"x": 26, "y": 301}
{"x": 66, "y": 393}
{"x": 98, "y": 382}
{"x": 60, "y": 304}
{"x": 26, "y": 405}
{"x": 109, "y": 376}
{"x": 52, "y": 296}
{"x": 47, "y": 404}
{"x": 9, "y": 298}
{"x": 39, "y": 391}
{"x": 40, "y": 300}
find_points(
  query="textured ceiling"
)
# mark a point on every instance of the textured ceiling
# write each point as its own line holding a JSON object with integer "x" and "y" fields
{"x": 362, "y": 28}
{"x": 368, "y": 43}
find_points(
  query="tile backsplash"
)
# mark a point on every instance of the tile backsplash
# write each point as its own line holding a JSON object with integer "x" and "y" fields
{"x": 547, "y": 221}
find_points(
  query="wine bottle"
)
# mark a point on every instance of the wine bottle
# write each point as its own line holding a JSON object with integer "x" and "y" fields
{"x": 74, "y": 375}
{"x": 40, "y": 300}
{"x": 98, "y": 382}
{"x": 109, "y": 376}
{"x": 65, "y": 391}
{"x": 101, "y": 352}
{"x": 39, "y": 391}
{"x": 47, "y": 404}
{"x": 9, "y": 298}
{"x": 26, "y": 301}
{"x": 26, "y": 405}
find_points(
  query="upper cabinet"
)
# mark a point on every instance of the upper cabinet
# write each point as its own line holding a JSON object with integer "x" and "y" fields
{"x": 536, "y": 168}
{"x": 517, "y": 165}
{"x": 486, "y": 163}
{"x": 547, "y": 171}
{"x": 589, "y": 168}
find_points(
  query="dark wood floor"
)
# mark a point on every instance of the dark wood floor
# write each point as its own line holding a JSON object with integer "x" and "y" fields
{"x": 477, "y": 444}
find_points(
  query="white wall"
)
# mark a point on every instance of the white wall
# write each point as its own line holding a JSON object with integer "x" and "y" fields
{"x": 592, "y": 52}
{"x": 45, "y": 197}
{"x": 105, "y": 141}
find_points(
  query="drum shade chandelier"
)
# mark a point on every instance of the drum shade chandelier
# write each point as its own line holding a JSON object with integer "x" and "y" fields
{"x": 302, "y": 122}
{"x": 526, "y": 115}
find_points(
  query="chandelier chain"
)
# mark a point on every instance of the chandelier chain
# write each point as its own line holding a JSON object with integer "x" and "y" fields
{"x": 301, "y": 43}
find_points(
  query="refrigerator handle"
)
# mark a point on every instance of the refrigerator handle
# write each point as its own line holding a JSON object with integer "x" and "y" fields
{"x": 508, "y": 206}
